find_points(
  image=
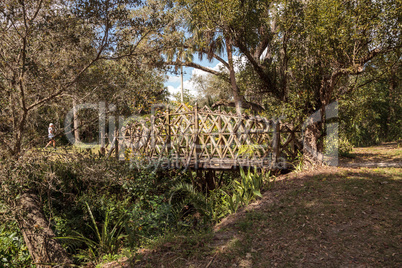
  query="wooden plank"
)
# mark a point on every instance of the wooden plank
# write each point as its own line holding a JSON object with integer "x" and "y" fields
{"x": 201, "y": 138}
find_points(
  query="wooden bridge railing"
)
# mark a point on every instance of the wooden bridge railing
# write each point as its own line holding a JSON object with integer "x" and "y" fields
{"x": 201, "y": 138}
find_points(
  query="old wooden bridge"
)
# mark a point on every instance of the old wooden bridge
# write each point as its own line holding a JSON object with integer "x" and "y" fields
{"x": 189, "y": 137}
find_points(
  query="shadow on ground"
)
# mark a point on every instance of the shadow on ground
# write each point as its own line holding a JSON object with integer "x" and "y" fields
{"x": 335, "y": 217}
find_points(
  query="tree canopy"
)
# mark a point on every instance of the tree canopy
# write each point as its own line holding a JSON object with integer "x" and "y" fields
{"x": 279, "y": 58}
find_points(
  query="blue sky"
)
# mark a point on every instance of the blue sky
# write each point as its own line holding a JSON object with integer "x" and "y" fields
{"x": 173, "y": 83}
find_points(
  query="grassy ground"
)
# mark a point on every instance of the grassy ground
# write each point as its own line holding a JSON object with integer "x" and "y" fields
{"x": 387, "y": 153}
{"x": 64, "y": 151}
{"x": 327, "y": 217}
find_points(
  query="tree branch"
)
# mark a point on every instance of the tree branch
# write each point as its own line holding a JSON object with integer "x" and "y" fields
{"x": 245, "y": 105}
{"x": 260, "y": 71}
{"x": 194, "y": 65}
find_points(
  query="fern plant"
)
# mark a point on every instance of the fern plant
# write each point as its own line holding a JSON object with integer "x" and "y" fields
{"x": 184, "y": 194}
{"x": 243, "y": 191}
{"x": 108, "y": 239}
{"x": 249, "y": 186}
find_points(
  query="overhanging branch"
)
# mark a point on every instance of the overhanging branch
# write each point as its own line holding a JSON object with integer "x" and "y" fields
{"x": 244, "y": 104}
{"x": 194, "y": 65}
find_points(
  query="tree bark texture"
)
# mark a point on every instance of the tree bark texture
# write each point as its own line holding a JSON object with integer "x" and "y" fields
{"x": 235, "y": 90}
{"x": 312, "y": 151}
{"x": 38, "y": 236}
{"x": 75, "y": 121}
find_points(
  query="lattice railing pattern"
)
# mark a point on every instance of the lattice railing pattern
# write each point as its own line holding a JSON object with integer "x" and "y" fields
{"x": 202, "y": 138}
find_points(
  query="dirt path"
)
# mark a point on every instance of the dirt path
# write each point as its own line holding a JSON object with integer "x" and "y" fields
{"x": 334, "y": 217}
{"x": 325, "y": 217}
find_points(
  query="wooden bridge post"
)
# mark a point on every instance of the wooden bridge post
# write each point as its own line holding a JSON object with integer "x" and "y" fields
{"x": 276, "y": 144}
{"x": 220, "y": 139}
{"x": 195, "y": 139}
{"x": 153, "y": 127}
{"x": 292, "y": 145}
{"x": 120, "y": 145}
{"x": 168, "y": 139}
{"x": 116, "y": 143}
{"x": 116, "y": 131}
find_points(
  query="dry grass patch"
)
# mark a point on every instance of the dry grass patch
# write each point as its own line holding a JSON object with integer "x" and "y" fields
{"x": 333, "y": 217}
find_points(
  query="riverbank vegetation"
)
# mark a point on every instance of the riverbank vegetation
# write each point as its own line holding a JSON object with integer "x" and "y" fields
{"x": 84, "y": 65}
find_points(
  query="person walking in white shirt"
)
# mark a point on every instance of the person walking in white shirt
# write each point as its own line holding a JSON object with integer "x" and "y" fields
{"x": 51, "y": 136}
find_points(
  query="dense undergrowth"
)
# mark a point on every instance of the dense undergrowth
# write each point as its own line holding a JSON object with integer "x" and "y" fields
{"x": 102, "y": 209}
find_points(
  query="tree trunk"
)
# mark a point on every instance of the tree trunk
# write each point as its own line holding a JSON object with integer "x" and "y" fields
{"x": 235, "y": 90}
{"x": 102, "y": 125}
{"x": 38, "y": 236}
{"x": 312, "y": 153}
{"x": 75, "y": 121}
{"x": 391, "y": 100}
{"x": 19, "y": 132}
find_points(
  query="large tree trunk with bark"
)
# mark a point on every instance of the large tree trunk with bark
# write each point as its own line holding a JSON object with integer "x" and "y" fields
{"x": 238, "y": 99}
{"x": 38, "y": 236}
{"x": 75, "y": 120}
{"x": 312, "y": 153}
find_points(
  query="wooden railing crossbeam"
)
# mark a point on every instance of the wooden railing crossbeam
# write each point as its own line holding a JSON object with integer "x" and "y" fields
{"x": 201, "y": 138}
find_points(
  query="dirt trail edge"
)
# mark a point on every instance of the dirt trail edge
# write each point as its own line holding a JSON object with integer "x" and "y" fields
{"x": 328, "y": 216}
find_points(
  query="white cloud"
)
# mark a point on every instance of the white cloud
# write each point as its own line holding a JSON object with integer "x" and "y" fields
{"x": 173, "y": 90}
{"x": 173, "y": 79}
{"x": 189, "y": 85}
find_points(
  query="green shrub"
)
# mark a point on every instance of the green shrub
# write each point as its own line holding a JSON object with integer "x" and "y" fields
{"x": 107, "y": 237}
{"x": 229, "y": 198}
{"x": 100, "y": 206}
{"x": 13, "y": 252}
{"x": 340, "y": 145}
{"x": 345, "y": 147}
